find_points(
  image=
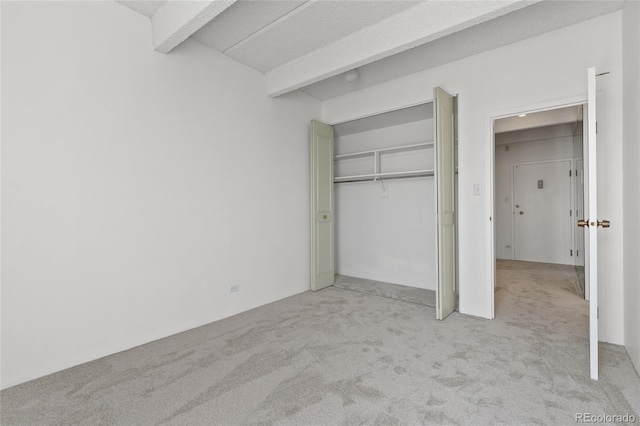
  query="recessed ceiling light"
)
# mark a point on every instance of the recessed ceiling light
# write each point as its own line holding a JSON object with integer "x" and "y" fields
{"x": 522, "y": 115}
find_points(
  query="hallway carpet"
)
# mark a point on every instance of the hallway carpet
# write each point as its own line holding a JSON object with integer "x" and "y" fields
{"x": 345, "y": 357}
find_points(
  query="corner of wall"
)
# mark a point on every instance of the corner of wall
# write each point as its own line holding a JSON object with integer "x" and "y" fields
{"x": 631, "y": 155}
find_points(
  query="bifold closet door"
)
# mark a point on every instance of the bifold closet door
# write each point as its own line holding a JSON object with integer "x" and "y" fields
{"x": 443, "y": 106}
{"x": 322, "y": 233}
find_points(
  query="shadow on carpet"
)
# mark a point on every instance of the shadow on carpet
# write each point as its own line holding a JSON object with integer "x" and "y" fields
{"x": 419, "y": 296}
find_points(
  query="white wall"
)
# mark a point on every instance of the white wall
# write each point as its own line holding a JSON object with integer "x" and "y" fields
{"x": 524, "y": 147}
{"x": 387, "y": 234}
{"x": 631, "y": 207}
{"x": 545, "y": 69}
{"x": 137, "y": 187}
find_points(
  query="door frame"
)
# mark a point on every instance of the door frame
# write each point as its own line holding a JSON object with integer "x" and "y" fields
{"x": 490, "y": 246}
{"x": 571, "y": 162}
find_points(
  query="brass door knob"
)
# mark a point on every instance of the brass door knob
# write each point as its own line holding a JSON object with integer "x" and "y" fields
{"x": 583, "y": 223}
{"x": 324, "y": 216}
{"x": 604, "y": 223}
{"x": 521, "y": 212}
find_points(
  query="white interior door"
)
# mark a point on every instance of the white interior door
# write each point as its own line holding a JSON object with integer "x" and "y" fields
{"x": 322, "y": 229}
{"x": 542, "y": 212}
{"x": 445, "y": 203}
{"x": 590, "y": 221}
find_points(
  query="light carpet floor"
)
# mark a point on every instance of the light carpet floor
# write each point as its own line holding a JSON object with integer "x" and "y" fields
{"x": 420, "y": 296}
{"x": 346, "y": 357}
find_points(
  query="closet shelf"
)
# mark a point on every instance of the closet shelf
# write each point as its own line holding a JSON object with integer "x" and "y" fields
{"x": 390, "y": 175}
{"x": 384, "y": 150}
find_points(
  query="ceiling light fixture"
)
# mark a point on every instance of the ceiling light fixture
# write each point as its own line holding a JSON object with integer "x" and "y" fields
{"x": 522, "y": 115}
{"x": 352, "y": 75}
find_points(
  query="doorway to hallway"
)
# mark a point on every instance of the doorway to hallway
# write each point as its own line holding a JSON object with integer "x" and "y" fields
{"x": 538, "y": 188}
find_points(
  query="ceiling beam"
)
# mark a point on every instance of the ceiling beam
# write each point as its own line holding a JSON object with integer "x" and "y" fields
{"x": 178, "y": 19}
{"x": 418, "y": 25}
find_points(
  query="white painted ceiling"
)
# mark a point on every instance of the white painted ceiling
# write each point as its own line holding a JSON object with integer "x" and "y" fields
{"x": 241, "y": 21}
{"x": 558, "y": 132}
{"x": 553, "y": 117}
{"x": 147, "y": 8}
{"x": 270, "y": 33}
{"x": 516, "y": 26}
{"x": 310, "y": 44}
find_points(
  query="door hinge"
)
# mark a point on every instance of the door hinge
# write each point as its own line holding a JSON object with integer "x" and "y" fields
{"x": 598, "y": 312}
{"x": 577, "y": 253}
{"x": 569, "y": 173}
{"x": 571, "y": 252}
{"x": 596, "y": 127}
{"x": 570, "y": 212}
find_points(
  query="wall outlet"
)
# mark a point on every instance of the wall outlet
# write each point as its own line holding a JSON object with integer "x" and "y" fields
{"x": 234, "y": 288}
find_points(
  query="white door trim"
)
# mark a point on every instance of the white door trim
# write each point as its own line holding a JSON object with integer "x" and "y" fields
{"x": 490, "y": 249}
{"x": 590, "y": 154}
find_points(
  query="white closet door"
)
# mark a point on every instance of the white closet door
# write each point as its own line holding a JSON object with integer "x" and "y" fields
{"x": 445, "y": 203}
{"x": 322, "y": 234}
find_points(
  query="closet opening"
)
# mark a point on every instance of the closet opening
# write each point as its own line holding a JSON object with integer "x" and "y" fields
{"x": 538, "y": 199}
{"x": 385, "y": 204}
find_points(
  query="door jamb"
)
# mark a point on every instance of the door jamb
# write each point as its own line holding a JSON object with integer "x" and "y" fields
{"x": 490, "y": 249}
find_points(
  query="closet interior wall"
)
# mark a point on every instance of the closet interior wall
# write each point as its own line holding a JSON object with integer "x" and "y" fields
{"x": 385, "y": 228}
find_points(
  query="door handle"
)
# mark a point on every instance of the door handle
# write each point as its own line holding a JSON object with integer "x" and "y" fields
{"x": 521, "y": 212}
{"x": 603, "y": 223}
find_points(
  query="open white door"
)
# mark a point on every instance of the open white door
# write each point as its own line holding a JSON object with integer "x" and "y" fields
{"x": 322, "y": 228}
{"x": 443, "y": 106}
{"x": 591, "y": 222}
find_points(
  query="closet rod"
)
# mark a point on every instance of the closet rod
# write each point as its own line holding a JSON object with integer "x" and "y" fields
{"x": 384, "y": 178}
{"x": 428, "y": 174}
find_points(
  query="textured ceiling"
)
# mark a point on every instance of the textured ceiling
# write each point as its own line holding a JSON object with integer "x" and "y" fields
{"x": 519, "y": 25}
{"x": 241, "y": 20}
{"x": 308, "y": 44}
{"x": 147, "y": 8}
{"x": 420, "y": 24}
{"x": 305, "y": 28}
